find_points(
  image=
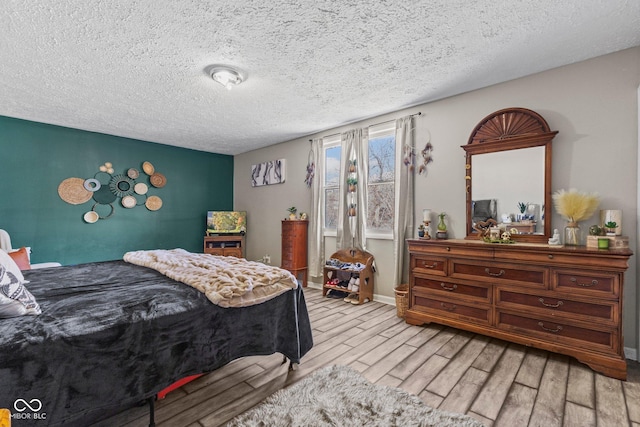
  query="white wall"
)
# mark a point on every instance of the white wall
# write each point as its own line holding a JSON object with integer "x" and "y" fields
{"x": 593, "y": 105}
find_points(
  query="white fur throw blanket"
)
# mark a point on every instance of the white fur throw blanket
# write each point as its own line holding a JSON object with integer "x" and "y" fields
{"x": 226, "y": 281}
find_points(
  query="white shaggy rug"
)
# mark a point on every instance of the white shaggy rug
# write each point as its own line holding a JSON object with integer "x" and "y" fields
{"x": 340, "y": 396}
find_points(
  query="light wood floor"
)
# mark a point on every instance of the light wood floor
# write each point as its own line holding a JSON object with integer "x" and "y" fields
{"x": 498, "y": 383}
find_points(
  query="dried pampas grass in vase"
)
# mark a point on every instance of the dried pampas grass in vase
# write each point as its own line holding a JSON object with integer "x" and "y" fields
{"x": 574, "y": 206}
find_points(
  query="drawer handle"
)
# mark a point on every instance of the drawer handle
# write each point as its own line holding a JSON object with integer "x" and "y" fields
{"x": 557, "y": 329}
{"x": 594, "y": 282}
{"x": 434, "y": 265}
{"x": 558, "y": 304}
{"x": 486, "y": 270}
{"x": 446, "y": 288}
{"x": 448, "y": 307}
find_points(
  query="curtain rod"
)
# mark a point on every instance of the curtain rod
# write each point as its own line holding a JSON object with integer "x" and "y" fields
{"x": 419, "y": 113}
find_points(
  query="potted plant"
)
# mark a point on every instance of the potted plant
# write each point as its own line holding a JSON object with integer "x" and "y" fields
{"x": 292, "y": 212}
{"x": 421, "y": 230}
{"x": 352, "y": 165}
{"x": 351, "y": 182}
{"x": 522, "y": 207}
{"x": 610, "y": 228}
{"x": 352, "y": 209}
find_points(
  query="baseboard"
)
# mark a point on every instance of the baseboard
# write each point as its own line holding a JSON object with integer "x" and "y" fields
{"x": 631, "y": 353}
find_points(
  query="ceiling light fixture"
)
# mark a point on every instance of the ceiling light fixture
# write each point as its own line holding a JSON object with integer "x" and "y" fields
{"x": 227, "y": 76}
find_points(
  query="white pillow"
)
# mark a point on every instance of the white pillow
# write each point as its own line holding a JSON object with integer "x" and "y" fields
{"x": 10, "y": 307}
{"x": 11, "y": 266}
{"x": 12, "y": 290}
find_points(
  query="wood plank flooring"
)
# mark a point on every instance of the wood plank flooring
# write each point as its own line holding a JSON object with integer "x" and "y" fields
{"x": 498, "y": 383}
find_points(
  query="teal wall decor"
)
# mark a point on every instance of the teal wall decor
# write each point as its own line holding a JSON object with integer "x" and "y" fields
{"x": 35, "y": 158}
{"x": 107, "y": 187}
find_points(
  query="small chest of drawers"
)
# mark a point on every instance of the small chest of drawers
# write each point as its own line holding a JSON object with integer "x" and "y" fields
{"x": 566, "y": 300}
{"x": 294, "y": 248}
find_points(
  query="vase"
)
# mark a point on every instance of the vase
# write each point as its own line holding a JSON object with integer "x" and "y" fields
{"x": 441, "y": 225}
{"x": 572, "y": 234}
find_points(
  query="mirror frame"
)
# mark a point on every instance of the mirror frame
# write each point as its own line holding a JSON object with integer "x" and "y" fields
{"x": 511, "y": 129}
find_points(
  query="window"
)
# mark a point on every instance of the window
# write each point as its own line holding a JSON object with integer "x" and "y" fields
{"x": 381, "y": 152}
{"x": 332, "y": 156}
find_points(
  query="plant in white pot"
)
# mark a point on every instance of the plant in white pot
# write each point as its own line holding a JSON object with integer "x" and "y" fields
{"x": 292, "y": 212}
{"x": 610, "y": 228}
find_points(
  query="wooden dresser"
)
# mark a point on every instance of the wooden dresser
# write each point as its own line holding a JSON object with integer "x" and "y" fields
{"x": 294, "y": 247}
{"x": 562, "y": 299}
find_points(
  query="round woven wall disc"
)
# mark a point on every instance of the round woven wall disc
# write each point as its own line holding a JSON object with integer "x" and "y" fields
{"x": 158, "y": 180}
{"x": 103, "y": 177}
{"x": 104, "y": 195}
{"x": 153, "y": 203}
{"x": 148, "y": 168}
{"x": 92, "y": 184}
{"x": 91, "y": 217}
{"x": 129, "y": 202}
{"x": 133, "y": 173}
{"x": 104, "y": 211}
{"x": 72, "y": 191}
{"x": 141, "y": 188}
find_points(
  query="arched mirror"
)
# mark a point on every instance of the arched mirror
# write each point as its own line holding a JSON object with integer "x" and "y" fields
{"x": 508, "y": 175}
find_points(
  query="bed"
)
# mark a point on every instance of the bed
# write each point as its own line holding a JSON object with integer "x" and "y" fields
{"x": 112, "y": 334}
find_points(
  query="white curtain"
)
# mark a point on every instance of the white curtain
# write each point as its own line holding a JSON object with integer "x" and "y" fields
{"x": 350, "y": 229}
{"x": 316, "y": 220}
{"x": 404, "y": 195}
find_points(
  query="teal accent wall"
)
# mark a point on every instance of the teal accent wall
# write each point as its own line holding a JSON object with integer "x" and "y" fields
{"x": 35, "y": 158}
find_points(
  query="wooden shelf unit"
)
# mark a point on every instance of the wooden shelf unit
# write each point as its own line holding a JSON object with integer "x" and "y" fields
{"x": 566, "y": 300}
{"x": 224, "y": 245}
{"x": 365, "y": 292}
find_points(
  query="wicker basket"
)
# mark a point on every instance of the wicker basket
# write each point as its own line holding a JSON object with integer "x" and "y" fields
{"x": 402, "y": 299}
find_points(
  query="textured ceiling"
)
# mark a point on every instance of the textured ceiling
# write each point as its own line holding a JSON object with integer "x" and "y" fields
{"x": 135, "y": 68}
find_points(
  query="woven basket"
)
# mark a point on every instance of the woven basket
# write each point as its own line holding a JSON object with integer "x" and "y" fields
{"x": 72, "y": 191}
{"x": 402, "y": 299}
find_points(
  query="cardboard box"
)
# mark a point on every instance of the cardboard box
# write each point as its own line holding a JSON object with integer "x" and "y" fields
{"x": 615, "y": 242}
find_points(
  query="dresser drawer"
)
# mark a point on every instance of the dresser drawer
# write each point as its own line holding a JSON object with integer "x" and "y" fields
{"x": 558, "y": 331}
{"x": 585, "y": 282}
{"x": 521, "y": 274}
{"x": 452, "y": 309}
{"x": 444, "y": 287}
{"x": 550, "y": 304}
{"x": 427, "y": 264}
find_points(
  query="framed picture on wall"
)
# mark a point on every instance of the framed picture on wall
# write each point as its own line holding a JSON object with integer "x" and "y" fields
{"x": 268, "y": 173}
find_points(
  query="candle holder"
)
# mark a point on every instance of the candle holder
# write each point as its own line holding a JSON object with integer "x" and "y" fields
{"x": 424, "y": 230}
{"x": 427, "y": 231}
